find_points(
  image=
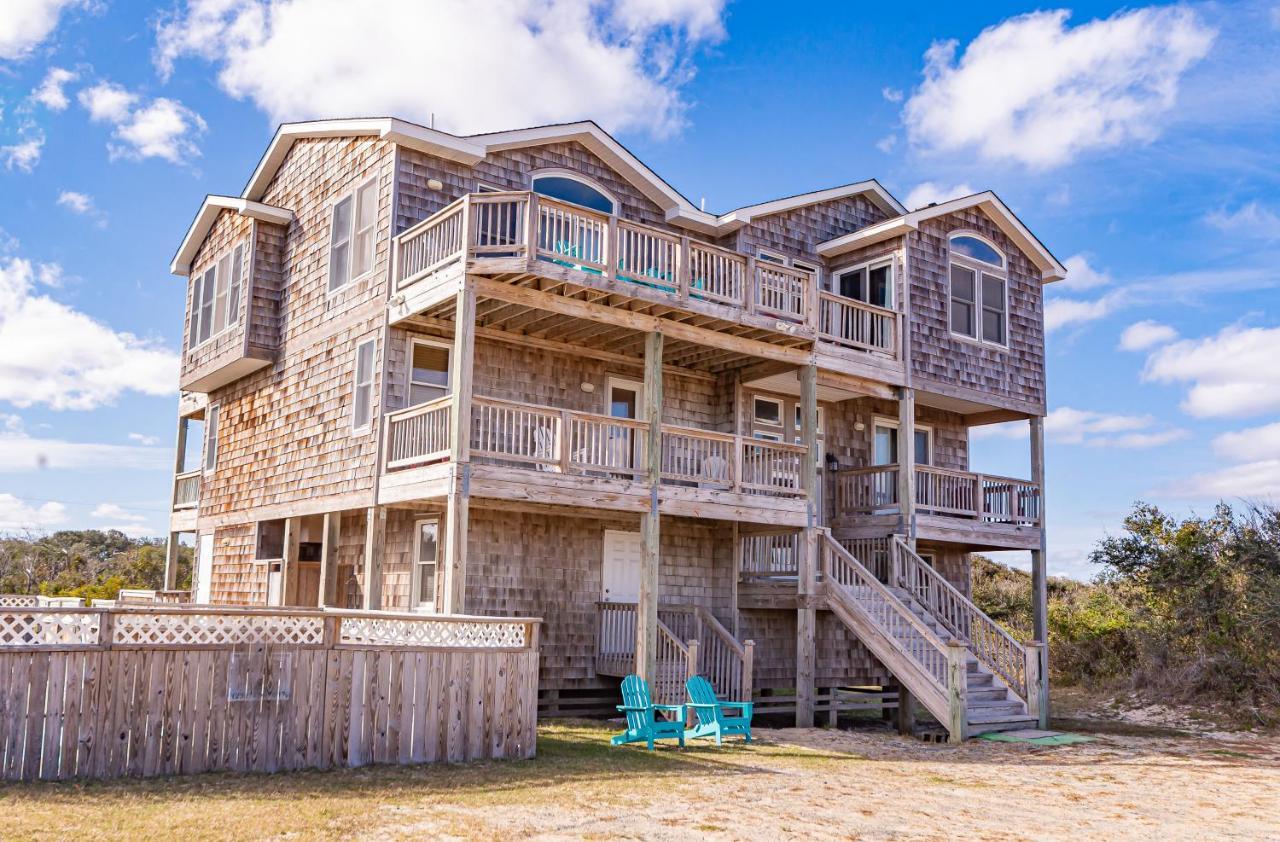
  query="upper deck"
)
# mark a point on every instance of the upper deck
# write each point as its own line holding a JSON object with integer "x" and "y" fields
{"x": 567, "y": 262}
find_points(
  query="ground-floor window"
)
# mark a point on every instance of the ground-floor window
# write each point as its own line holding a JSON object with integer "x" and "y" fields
{"x": 426, "y": 558}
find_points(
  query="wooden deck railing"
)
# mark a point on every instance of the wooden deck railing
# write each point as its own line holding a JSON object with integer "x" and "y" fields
{"x": 770, "y": 555}
{"x": 565, "y": 441}
{"x": 716, "y": 655}
{"x": 162, "y": 690}
{"x": 525, "y": 226}
{"x": 186, "y": 490}
{"x": 994, "y": 647}
{"x": 984, "y": 497}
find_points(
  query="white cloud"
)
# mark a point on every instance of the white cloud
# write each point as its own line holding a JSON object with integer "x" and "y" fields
{"x": 929, "y": 192}
{"x": 1060, "y": 312}
{"x": 54, "y": 355}
{"x": 143, "y": 439}
{"x": 887, "y": 143}
{"x": 15, "y": 514}
{"x": 114, "y": 516}
{"x": 50, "y": 93}
{"x": 162, "y": 128}
{"x": 107, "y": 101}
{"x": 891, "y": 94}
{"x": 1145, "y": 334}
{"x": 1255, "y": 474}
{"x": 81, "y": 203}
{"x": 1066, "y": 425}
{"x": 23, "y": 155}
{"x": 1034, "y": 91}
{"x": 1233, "y": 374}
{"x": 1081, "y": 276}
{"x": 26, "y": 23}
{"x": 1251, "y": 221}
{"x": 20, "y": 452}
{"x": 1252, "y": 444}
{"x": 474, "y": 66}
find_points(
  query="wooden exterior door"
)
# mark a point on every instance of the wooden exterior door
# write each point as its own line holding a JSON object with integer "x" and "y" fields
{"x": 621, "y": 567}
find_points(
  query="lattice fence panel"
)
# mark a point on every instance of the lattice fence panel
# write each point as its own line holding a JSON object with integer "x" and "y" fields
{"x": 392, "y": 631}
{"x": 36, "y": 628}
{"x": 18, "y": 600}
{"x": 148, "y": 629}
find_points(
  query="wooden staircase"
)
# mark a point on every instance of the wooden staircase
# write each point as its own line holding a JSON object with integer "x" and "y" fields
{"x": 953, "y": 659}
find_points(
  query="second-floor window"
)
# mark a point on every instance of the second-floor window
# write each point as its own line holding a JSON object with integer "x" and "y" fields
{"x": 978, "y": 295}
{"x": 429, "y": 373}
{"x": 362, "y": 387}
{"x": 574, "y": 189}
{"x": 211, "y": 438}
{"x": 870, "y": 283}
{"x": 215, "y": 297}
{"x": 353, "y": 229}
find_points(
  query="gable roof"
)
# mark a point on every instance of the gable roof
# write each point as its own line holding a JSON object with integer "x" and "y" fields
{"x": 473, "y": 148}
{"x": 987, "y": 201}
{"x": 209, "y": 210}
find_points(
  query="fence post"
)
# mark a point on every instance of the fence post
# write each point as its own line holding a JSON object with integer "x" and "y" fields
{"x": 1035, "y": 681}
{"x": 958, "y": 687}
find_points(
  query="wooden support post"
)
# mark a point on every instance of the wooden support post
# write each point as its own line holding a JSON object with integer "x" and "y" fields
{"x": 1039, "y": 573}
{"x": 328, "y": 595}
{"x": 907, "y": 464}
{"x": 650, "y": 523}
{"x": 906, "y": 711}
{"x": 957, "y": 690}
{"x": 375, "y": 534}
{"x": 748, "y": 670}
{"x": 458, "y": 503}
{"x": 1035, "y": 681}
{"x": 171, "y": 551}
{"x": 807, "y": 580}
{"x": 457, "y": 524}
{"x": 289, "y": 563}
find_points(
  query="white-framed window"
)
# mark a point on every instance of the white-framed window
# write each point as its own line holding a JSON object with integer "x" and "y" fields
{"x": 568, "y": 186}
{"x": 269, "y": 541}
{"x": 884, "y": 446}
{"x": 766, "y": 411}
{"x": 870, "y": 283}
{"x": 353, "y": 229}
{"x": 426, "y": 562}
{"x": 215, "y": 297}
{"x": 428, "y": 370}
{"x": 812, "y": 268}
{"x": 362, "y": 386}
{"x": 799, "y": 426}
{"x": 482, "y": 187}
{"x": 978, "y": 290}
{"x": 771, "y": 257}
{"x": 211, "y": 437}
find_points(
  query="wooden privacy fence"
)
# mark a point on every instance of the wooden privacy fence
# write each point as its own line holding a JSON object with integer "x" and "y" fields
{"x": 163, "y": 690}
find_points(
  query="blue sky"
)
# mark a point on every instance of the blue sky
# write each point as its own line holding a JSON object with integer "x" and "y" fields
{"x": 1139, "y": 142}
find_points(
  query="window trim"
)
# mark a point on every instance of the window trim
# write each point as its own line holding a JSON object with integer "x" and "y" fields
{"x": 487, "y": 187}
{"x": 629, "y": 384}
{"x": 408, "y": 375}
{"x": 781, "y": 423}
{"x": 415, "y": 584}
{"x": 354, "y": 195}
{"x": 868, "y": 265}
{"x": 195, "y": 284}
{"x": 372, "y": 343}
{"x": 979, "y": 268}
{"x": 581, "y": 179}
{"x": 257, "y": 540}
{"x": 771, "y": 256}
{"x": 214, "y": 412}
{"x": 892, "y": 423}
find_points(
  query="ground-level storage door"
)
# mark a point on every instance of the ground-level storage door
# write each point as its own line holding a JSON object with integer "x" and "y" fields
{"x": 621, "y": 566}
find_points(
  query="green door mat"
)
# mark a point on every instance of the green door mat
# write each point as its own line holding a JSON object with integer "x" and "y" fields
{"x": 1039, "y": 738}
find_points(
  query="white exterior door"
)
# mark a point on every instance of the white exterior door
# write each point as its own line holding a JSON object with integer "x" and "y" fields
{"x": 204, "y": 569}
{"x": 621, "y": 566}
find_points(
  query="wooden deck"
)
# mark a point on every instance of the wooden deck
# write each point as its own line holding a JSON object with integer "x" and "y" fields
{"x": 145, "y": 691}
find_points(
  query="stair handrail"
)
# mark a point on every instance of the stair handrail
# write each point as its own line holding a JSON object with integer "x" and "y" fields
{"x": 995, "y": 648}
{"x": 733, "y": 675}
{"x": 667, "y": 685}
{"x": 931, "y": 659}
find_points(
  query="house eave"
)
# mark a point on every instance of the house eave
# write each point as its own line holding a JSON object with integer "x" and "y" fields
{"x": 204, "y": 219}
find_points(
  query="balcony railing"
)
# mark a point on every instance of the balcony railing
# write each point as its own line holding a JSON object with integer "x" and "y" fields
{"x": 527, "y": 227}
{"x": 186, "y": 490}
{"x": 941, "y": 491}
{"x": 547, "y": 439}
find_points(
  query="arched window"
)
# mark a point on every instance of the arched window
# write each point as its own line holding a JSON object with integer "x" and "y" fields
{"x": 978, "y": 294}
{"x": 575, "y": 189}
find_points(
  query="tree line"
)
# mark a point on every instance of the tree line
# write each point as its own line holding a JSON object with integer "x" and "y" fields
{"x": 88, "y": 563}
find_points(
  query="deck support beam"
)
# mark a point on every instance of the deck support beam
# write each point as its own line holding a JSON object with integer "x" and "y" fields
{"x": 807, "y": 580}
{"x": 650, "y": 521}
{"x": 375, "y": 536}
{"x": 1039, "y": 574}
{"x": 289, "y": 562}
{"x": 458, "y": 504}
{"x": 328, "y": 590}
{"x": 907, "y": 464}
{"x": 171, "y": 550}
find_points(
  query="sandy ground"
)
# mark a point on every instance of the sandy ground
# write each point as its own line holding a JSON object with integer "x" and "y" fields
{"x": 1142, "y": 783}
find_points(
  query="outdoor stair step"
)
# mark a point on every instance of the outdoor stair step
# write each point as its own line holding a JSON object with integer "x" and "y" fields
{"x": 988, "y": 708}
{"x": 985, "y": 694}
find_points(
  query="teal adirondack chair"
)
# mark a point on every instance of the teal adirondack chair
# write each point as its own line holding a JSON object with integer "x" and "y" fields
{"x": 712, "y": 719}
{"x": 643, "y": 726}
